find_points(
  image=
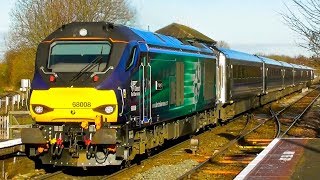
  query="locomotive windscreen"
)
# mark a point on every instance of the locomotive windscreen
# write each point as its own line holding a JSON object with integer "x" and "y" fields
{"x": 76, "y": 56}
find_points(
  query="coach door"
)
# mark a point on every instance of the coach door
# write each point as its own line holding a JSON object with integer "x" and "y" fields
{"x": 145, "y": 96}
{"x": 221, "y": 79}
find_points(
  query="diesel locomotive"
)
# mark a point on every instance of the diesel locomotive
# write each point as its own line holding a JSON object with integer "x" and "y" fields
{"x": 104, "y": 93}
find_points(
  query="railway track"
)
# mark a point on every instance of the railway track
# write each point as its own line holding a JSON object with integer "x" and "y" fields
{"x": 235, "y": 155}
{"x": 286, "y": 120}
{"x": 156, "y": 155}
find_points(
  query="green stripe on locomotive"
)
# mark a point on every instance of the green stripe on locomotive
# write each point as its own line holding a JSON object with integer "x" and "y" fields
{"x": 180, "y": 85}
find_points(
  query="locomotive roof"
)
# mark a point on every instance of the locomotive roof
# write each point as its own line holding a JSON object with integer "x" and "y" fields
{"x": 160, "y": 40}
{"x": 232, "y": 54}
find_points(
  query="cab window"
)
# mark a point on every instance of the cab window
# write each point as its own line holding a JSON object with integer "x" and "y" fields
{"x": 131, "y": 58}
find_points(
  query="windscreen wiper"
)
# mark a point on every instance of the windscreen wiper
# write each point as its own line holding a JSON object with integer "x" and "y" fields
{"x": 87, "y": 68}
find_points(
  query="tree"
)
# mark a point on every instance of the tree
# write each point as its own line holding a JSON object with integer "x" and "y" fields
{"x": 33, "y": 20}
{"x": 306, "y": 22}
{"x": 3, "y": 70}
{"x": 223, "y": 44}
{"x": 19, "y": 65}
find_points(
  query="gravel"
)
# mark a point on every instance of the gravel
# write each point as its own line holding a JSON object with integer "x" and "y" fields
{"x": 167, "y": 172}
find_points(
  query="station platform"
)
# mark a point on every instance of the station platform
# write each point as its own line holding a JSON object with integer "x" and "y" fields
{"x": 10, "y": 143}
{"x": 292, "y": 158}
{"x": 10, "y": 146}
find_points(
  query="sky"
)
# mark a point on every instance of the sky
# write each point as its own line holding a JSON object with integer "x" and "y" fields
{"x": 247, "y": 25}
{"x": 253, "y": 26}
{"x": 5, "y": 8}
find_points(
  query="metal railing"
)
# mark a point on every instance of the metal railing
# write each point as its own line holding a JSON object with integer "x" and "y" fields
{"x": 11, "y": 104}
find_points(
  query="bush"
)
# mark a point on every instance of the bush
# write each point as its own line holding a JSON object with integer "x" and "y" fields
{"x": 20, "y": 65}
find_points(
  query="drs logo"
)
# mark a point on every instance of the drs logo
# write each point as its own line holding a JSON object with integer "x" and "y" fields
{"x": 81, "y": 104}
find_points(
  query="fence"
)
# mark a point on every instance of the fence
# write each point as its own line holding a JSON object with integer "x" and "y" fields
{"x": 11, "y": 105}
{"x": 13, "y": 102}
{"x": 4, "y": 127}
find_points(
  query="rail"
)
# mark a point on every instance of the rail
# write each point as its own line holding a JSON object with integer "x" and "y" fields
{"x": 240, "y": 136}
{"x": 296, "y": 118}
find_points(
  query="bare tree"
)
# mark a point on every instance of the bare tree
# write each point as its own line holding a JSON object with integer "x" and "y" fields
{"x": 306, "y": 22}
{"x": 33, "y": 20}
{"x": 223, "y": 44}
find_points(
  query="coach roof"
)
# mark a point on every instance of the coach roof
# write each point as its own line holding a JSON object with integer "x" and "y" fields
{"x": 285, "y": 64}
{"x": 270, "y": 61}
{"x": 232, "y": 54}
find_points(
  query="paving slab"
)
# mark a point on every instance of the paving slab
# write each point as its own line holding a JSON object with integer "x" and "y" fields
{"x": 287, "y": 158}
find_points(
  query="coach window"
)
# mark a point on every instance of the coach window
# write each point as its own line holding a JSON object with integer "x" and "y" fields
{"x": 235, "y": 71}
{"x": 131, "y": 58}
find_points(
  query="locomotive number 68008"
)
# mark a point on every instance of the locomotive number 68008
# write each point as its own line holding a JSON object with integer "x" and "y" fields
{"x": 81, "y": 104}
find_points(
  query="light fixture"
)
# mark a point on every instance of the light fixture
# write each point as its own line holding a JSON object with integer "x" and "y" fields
{"x": 38, "y": 109}
{"x": 95, "y": 78}
{"x": 109, "y": 109}
{"x": 52, "y": 78}
{"x": 83, "y": 32}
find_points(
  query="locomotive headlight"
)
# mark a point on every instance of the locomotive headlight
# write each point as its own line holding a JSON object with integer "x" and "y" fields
{"x": 109, "y": 109}
{"x": 106, "y": 109}
{"x": 41, "y": 109}
{"x": 83, "y": 32}
{"x": 38, "y": 109}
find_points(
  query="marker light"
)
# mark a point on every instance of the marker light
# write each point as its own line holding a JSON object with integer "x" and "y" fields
{"x": 95, "y": 78}
{"x": 38, "y": 109}
{"x": 83, "y": 32}
{"x": 109, "y": 109}
{"x": 52, "y": 78}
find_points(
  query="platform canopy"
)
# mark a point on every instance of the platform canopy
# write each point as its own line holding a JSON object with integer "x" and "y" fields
{"x": 183, "y": 32}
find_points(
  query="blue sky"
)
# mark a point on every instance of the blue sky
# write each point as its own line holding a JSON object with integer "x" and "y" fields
{"x": 5, "y": 7}
{"x": 247, "y": 25}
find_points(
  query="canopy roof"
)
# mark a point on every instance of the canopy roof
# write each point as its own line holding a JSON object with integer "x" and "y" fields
{"x": 183, "y": 32}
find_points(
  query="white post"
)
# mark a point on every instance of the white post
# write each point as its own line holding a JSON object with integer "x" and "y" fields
{"x": 7, "y": 127}
{"x": 22, "y": 101}
{"x": 12, "y": 102}
{"x": 27, "y": 97}
{"x": 7, "y": 103}
{"x": 18, "y": 100}
{"x": 25, "y": 87}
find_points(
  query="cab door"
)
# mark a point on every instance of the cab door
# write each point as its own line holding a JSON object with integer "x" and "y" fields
{"x": 140, "y": 90}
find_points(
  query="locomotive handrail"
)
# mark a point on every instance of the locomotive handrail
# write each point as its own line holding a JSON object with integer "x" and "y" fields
{"x": 48, "y": 73}
{"x": 103, "y": 72}
{"x": 143, "y": 91}
{"x": 122, "y": 99}
{"x": 150, "y": 94}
